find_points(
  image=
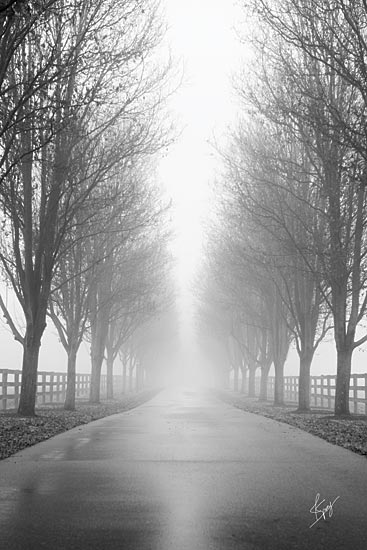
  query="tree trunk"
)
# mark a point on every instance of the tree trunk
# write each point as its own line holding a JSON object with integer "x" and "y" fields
{"x": 279, "y": 383}
{"x": 69, "y": 404}
{"x": 344, "y": 367}
{"x": 98, "y": 344}
{"x": 264, "y": 382}
{"x": 243, "y": 381}
{"x": 109, "y": 377}
{"x": 95, "y": 383}
{"x": 124, "y": 377}
{"x": 97, "y": 352}
{"x": 28, "y": 395}
{"x": 251, "y": 380}
{"x": 304, "y": 383}
{"x": 131, "y": 370}
{"x": 235, "y": 379}
{"x": 137, "y": 378}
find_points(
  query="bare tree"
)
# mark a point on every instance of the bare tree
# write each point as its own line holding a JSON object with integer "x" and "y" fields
{"x": 271, "y": 179}
{"x": 77, "y": 73}
{"x": 313, "y": 82}
{"x": 142, "y": 292}
{"x": 118, "y": 281}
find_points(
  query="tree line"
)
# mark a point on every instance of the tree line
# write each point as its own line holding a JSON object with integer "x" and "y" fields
{"x": 287, "y": 254}
{"x": 83, "y": 235}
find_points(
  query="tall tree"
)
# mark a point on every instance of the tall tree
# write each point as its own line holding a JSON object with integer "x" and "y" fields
{"x": 274, "y": 186}
{"x": 318, "y": 57}
{"x": 58, "y": 88}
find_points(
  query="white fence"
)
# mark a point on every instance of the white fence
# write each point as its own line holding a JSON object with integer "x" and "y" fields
{"x": 323, "y": 391}
{"x": 51, "y": 387}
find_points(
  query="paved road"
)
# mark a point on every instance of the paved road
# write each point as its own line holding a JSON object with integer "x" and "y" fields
{"x": 182, "y": 472}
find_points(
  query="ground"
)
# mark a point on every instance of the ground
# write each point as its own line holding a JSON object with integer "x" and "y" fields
{"x": 350, "y": 433}
{"x": 183, "y": 471}
{"x": 17, "y": 433}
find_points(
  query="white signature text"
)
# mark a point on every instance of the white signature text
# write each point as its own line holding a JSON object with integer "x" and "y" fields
{"x": 319, "y": 512}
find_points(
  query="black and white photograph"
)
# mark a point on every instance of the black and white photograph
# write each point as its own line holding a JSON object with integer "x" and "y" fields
{"x": 183, "y": 274}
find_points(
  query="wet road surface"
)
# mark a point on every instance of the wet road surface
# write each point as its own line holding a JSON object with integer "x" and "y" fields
{"x": 183, "y": 472}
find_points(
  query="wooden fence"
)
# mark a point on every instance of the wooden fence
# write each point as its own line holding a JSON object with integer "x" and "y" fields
{"x": 323, "y": 391}
{"x": 51, "y": 387}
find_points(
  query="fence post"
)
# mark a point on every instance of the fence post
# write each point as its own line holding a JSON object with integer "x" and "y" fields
{"x": 43, "y": 378}
{"x": 16, "y": 388}
{"x": 354, "y": 381}
{"x": 330, "y": 378}
{"x": 5, "y": 389}
{"x": 57, "y": 389}
{"x": 64, "y": 384}
{"x": 295, "y": 388}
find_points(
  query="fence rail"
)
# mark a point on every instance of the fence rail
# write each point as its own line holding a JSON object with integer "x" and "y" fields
{"x": 322, "y": 393}
{"x": 51, "y": 387}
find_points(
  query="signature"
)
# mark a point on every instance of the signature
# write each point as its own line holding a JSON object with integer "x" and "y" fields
{"x": 321, "y": 512}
